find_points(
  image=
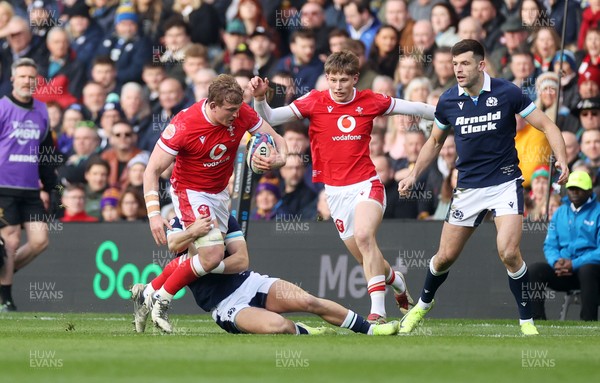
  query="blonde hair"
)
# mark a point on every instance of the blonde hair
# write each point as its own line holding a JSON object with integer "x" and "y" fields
{"x": 344, "y": 62}
{"x": 178, "y": 7}
{"x": 225, "y": 88}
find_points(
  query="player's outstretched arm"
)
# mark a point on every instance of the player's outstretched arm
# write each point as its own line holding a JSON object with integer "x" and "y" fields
{"x": 540, "y": 121}
{"x": 276, "y": 116}
{"x": 413, "y": 108}
{"x": 158, "y": 163}
{"x": 428, "y": 153}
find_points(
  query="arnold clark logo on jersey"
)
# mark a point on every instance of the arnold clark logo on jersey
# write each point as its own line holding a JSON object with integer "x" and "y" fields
{"x": 346, "y": 124}
{"x": 468, "y": 125}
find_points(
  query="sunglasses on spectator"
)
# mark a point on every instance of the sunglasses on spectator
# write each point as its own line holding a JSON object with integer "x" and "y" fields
{"x": 593, "y": 113}
{"x": 119, "y": 135}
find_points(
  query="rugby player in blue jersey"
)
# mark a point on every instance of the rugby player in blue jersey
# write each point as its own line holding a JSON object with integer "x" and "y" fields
{"x": 243, "y": 301}
{"x": 481, "y": 111}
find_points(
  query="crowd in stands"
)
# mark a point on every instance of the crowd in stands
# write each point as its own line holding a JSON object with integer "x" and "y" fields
{"x": 113, "y": 75}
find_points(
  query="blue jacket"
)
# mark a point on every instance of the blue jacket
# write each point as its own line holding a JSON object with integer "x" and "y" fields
{"x": 574, "y": 235}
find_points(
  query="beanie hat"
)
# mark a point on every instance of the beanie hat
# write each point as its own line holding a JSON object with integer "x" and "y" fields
{"x": 540, "y": 171}
{"x": 125, "y": 12}
{"x": 269, "y": 184}
{"x": 110, "y": 197}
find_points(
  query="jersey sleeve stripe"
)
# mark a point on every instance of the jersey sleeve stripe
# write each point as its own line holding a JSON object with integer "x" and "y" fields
{"x": 525, "y": 112}
{"x": 440, "y": 125}
{"x": 392, "y": 106}
{"x": 173, "y": 231}
{"x": 296, "y": 111}
{"x": 164, "y": 147}
{"x": 257, "y": 126}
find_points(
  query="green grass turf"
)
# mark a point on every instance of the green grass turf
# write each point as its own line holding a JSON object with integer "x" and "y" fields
{"x": 82, "y": 348}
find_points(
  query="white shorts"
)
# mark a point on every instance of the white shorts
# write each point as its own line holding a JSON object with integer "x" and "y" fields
{"x": 189, "y": 203}
{"x": 252, "y": 293}
{"x": 469, "y": 206}
{"x": 342, "y": 201}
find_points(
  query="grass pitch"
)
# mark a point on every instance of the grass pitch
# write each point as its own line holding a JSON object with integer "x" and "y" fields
{"x": 49, "y": 347}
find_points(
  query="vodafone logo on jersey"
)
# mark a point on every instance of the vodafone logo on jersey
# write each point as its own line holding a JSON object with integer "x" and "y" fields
{"x": 346, "y": 123}
{"x": 218, "y": 151}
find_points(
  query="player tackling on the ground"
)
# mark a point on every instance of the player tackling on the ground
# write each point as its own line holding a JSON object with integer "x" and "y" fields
{"x": 204, "y": 139}
{"x": 243, "y": 301}
{"x": 481, "y": 110}
{"x": 341, "y": 121}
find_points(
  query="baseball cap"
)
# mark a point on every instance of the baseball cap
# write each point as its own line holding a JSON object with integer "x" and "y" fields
{"x": 140, "y": 158}
{"x": 588, "y": 103}
{"x": 80, "y": 8}
{"x": 580, "y": 179}
{"x": 236, "y": 27}
{"x": 260, "y": 31}
{"x": 243, "y": 49}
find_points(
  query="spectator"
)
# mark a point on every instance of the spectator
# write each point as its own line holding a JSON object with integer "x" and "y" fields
{"x": 131, "y": 206}
{"x": 485, "y": 12}
{"x": 302, "y": 63}
{"x": 524, "y": 72}
{"x": 424, "y": 39}
{"x": 546, "y": 86}
{"x": 235, "y": 34}
{"x": 40, "y": 19}
{"x": 439, "y": 175}
{"x": 55, "y": 113}
{"x": 177, "y": 40}
{"x": 243, "y": 77}
{"x": 196, "y": 58}
{"x": 334, "y": 14}
{"x": 590, "y": 147}
{"x": 418, "y": 89}
{"x": 534, "y": 15}
{"x": 298, "y": 198}
{"x": 104, "y": 72}
{"x": 462, "y": 8}
{"x": 21, "y": 43}
{"x": 123, "y": 149}
{"x": 557, "y": 10}
{"x": 408, "y": 68}
{"x": 135, "y": 107}
{"x": 384, "y": 52}
{"x": 421, "y": 9}
{"x": 536, "y": 203}
{"x": 103, "y": 13}
{"x": 396, "y": 14}
{"x": 445, "y": 25}
{"x": 589, "y": 20}
{"x": 263, "y": 48}
{"x": 71, "y": 117}
{"x": 572, "y": 146}
{"x": 443, "y": 70}
{"x": 85, "y": 143}
{"x": 572, "y": 250}
{"x": 6, "y": 13}
{"x": 126, "y": 47}
{"x": 109, "y": 115}
{"x": 362, "y": 24}
{"x": 268, "y": 200}
{"x": 587, "y": 83}
{"x": 94, "y": 98}
{"x": 202, "y": 80}
{"x": 61, "y": 76}
{"x": 73, "y": 201}
{"x": 204, "y": 17}
{"x": 588, "y": 110}
{"x": 242, "y": 59}
{"x": 96, "y": 177}
{"x": 152, "y": 76}
{"x": 136, "y": 167}
{"x": 508, "y": 8}
{"x": 568, "y": 80}
{"x": 312, "y": 17}
{"x": 377, "y": 143}
{"x": 546, "y": 43}
{"x": 85, "y": 35}
{"x": 152, "y": 16}
{"x": 515, "y": 39}
{"x": 470, "y": 28}
{"x": 337, "y": 40}
{"x": 250, "y": 12}
{"x": 413, "y": 142}
{"x": 108, "y": 205}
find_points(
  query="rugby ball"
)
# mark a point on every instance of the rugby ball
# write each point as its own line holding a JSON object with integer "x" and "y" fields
{"x": 258, "y": 143}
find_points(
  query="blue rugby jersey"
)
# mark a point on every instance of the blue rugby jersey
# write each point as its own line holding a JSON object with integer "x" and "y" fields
{"x": 211, "y": 289}
{"x": 484, "y": 131}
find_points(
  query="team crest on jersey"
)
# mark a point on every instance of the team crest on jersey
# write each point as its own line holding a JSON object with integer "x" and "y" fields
{"x": 204, "y": 211}
{"x": 359, "y": 110}
{"x": 217, "y": 151}
{"x": 329, "y": 108}
{"x": 169, "y": 132}
{"x": 346, "y": 123}
{"x": 230, "y": 130}
{"x": 340, "y": 225}
{"x": 491, "y": 101}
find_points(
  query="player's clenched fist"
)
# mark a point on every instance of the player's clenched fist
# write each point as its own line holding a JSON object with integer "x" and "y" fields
{"x": 259, "y": 87}
{"x": 404, "y": 185}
